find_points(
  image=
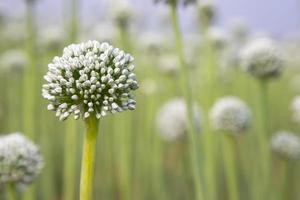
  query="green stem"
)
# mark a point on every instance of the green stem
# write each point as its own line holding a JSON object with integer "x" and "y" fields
{"x": 11, "y": 192}
{"x": 74, "y": 20}
{"x": 88, "y": 158}
{"x": 263, "y": 175}
{"x": 70, "y": 160}
{"x": 188, "y": 98}
{"x": 230, "y": 166}
{"x": 210, "y": 83}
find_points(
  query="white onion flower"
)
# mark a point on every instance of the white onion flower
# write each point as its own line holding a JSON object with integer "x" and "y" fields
{"x": 20, "y": 160}
{"x": 13, "y": 60}
{"x": 172, "y": 119}
{"x": 296, "y": 108}
{"x": 122, "y": 12}
{"x": 286, "y": 145}
{"x": 184, "y": 2}
{"x": 168, "y": 64}
{"x": 230, "y": 114}
{"x": 217, "y": 37}
{"x": 90, "y": 78}
{"x": 206, "y": 12}
{"x": 262, "y": 59}
{"x": 52, "y": 37}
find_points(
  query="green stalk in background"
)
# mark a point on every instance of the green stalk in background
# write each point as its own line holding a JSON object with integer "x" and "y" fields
{"x": 210, "y": 80}
{"x": 88, "y": 158}
{"x": 262, "y": 135}
{"x": 29, "y": 76}
{"x": 11, "y": 192}
{"x": 70, "y": 128}
{"x": 122, "y": 20}
{"x": 230, "y": 166}
{"x": 29, "y": 84}
{"x": 192, "y": 133}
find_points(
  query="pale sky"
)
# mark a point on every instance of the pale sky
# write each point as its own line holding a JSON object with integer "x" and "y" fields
{"x": 280, "y": 17}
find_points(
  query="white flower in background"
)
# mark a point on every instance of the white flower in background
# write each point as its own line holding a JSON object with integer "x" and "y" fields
{"x": 20, "y": 160}
{"x": 286, "y": 145}
{"x": 122, "y": 13}
{"x": 207, "y": 12}
{"x": 148, "y": 87}
{"x": 296, "y": 108}
{"x": 13, "y": 60}
{"x": 172, "y": 119}
{"x": 103, "y": 32}
{"x": 52, "y": 37}
{"x": 184, "y": 2}
{"x": 217, "y": 37}
{"x": 239, "y": 31}
{"x": 262, "y": 58}
{"x": 168, "y": 64}
{"x": 231, "y": 115}
{"x": 152, "y": 43}
{"x": 90, "y": 78}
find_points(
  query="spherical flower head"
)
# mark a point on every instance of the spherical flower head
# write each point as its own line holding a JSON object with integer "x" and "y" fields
{"x": 176, "y": 2}
{"x": 52, "y": 38}
{"x": 172, "y": 119}
{"x": 13, "y": 60}
{"x": 262, "y": 59}
{"x": 152, "y": 44}
{"x": 90, "y": 78}
{"x": 20, "y": 160}
{"x": 239, "y": 30}
{"x": 217, "y": 38}
{"x": 231, "y": 115}
{"x": 122, "y": 12}
{"x": 149, "y": 87}
{"x": 103, "y": 32}
{"x": 169, "y": 65}
{"x": 295, "y": 106}
{"x": 206, "y": 12}
{"x": 286, "y": 145}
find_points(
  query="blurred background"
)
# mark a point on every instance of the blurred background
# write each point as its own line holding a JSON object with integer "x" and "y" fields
{"x": 148, "y": 154}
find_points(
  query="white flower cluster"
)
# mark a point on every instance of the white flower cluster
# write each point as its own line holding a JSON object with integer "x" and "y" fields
{"x": 20, "y": 160}
{"x": 122, "y": 12}
{"x": 262, "y": 59}
{"x": 168, "y": 64}
{"x": 230, "y": 114}
{"x": 296, "y": 108}
{"x": 172, "y": 119}
{"x": 206, "y": 12}
{"x": 286, "y": 145}
{"x": 90, "y": 78}
{"x": 13, "y": 60}
{"x": 52, "y": 37}
{"x": 217, "y": 38}
{"x": 184, "y": 2}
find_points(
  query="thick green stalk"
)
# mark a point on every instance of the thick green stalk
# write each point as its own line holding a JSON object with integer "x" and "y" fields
{"x": 11, "y": 192}
{"x": 88, "y": 158}
{"x": 230, "y": 167}
{"x": 192, "y": 137}
{"x": 263, "y": 173}
{"x": 70, "y": 160}
{"x": 210, "y": 75}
